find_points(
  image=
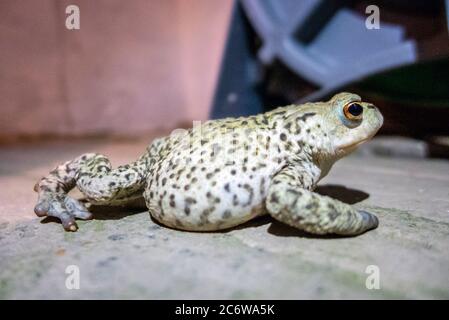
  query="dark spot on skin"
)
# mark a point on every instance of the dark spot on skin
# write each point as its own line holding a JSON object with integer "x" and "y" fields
{"x": 226, "y": 214}
{"x": 164, "y": 180}
{"x": 45, "y": 188}
{"x": 333, "y": 214}
{"x": 226, "y": 187}
{"x": 305, "y": 116}
{"x": 235, "y": 200}
{"x": 312, "y": 206}
{"x": 233, "y": 172}
{"x": 186, "y": 187}
{"x": 283, "y": 137}
{"x": 249, "y": 189}
{"x": 274, "y": 198}
{"x": 190, "y": 200}
{"x": 187, "y": 211}
{"x": 205, "y": 214}
{"x": 295, "y": 192}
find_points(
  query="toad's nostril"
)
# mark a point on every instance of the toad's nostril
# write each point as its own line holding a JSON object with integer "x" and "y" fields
{"x": 371, "y": 106}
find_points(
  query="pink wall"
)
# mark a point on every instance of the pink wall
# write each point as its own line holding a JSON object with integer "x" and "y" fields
{"x": 134, "y": 65}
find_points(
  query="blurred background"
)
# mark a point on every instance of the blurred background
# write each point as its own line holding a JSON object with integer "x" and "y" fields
{"x": 132, "y": 67}
{"x": 140, "y": 67}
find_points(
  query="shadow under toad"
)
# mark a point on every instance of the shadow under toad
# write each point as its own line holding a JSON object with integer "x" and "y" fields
{"x": 108, "y": 212}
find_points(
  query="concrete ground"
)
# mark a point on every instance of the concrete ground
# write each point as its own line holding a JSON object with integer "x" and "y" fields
{"x": 124, "y": 254}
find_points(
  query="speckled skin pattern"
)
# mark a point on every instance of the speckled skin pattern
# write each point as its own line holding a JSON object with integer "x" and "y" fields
{"x": 225, "y": 172}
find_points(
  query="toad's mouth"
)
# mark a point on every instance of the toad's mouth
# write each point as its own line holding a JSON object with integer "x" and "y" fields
{"x": 349, "y": 147}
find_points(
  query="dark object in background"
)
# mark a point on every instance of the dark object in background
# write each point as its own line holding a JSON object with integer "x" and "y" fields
{"x": 414, "y": 97}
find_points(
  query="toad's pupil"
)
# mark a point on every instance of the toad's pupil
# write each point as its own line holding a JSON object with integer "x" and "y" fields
{"x": 355, "y": 109}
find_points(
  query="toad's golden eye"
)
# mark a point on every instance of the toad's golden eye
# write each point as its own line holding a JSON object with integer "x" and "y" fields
{"x": 353, "y": 111}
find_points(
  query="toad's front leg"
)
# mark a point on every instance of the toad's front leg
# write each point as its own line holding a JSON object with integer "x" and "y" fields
{"x": 290, "y": 202}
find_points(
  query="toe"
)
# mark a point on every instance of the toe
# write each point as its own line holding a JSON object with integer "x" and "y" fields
{"x": 68, "y": 222}
{"x": 77, "y": 209}
{"x": 369, "y": 219}
{"x": 41, "y": 209}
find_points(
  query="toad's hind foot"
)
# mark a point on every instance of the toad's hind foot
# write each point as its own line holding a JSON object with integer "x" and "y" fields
{"x": 62, "y": 207}
{"x": 94, "y": 177}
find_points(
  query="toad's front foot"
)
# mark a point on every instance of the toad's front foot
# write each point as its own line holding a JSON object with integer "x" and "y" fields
{"x": 63, "y": 207}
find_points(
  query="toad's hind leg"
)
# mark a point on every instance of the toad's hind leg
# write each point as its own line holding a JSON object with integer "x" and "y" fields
{"x": 94, "y": 177}
{"x": 290, "y": 202}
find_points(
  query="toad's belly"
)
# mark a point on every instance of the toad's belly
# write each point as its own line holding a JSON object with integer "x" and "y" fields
{"x": 222, "y": 201}
{"x": 209, "y": 219}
